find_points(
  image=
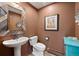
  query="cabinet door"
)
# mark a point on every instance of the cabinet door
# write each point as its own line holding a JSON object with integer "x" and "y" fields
{"x": 6, "y": 51}
{"x": 26, "y": 49}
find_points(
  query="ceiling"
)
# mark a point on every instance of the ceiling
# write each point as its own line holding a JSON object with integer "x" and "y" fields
{"x": 39, "y": 5}
{"x": 3, "y": 3}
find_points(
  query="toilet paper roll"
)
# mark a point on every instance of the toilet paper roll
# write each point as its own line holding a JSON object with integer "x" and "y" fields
{"x": 46, "y": 38}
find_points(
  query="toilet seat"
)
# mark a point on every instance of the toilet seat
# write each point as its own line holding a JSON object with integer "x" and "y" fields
{"x": 39, "y": 46}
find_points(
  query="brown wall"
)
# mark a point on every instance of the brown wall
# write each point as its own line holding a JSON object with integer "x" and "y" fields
{"x": 76, "y": 25}
{"x": 66, "y": 13}
{"x": 30, "y": 19}
{"x": 76, "y": 6}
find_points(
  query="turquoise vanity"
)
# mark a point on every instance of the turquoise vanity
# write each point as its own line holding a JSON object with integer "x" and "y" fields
{"x": 71, "y": 45}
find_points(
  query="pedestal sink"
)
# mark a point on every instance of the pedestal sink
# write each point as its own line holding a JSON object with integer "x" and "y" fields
{"x": 16, "y": 43}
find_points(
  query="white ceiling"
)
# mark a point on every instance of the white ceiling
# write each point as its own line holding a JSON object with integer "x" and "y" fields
{"x": 39, "y": 5}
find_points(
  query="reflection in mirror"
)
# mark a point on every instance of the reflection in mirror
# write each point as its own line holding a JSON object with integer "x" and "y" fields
{"x": 3, "y": 21}
{"x": 2, "y": 12}
{"x": 19, "y": 24}
{"x": 77, "y": 17}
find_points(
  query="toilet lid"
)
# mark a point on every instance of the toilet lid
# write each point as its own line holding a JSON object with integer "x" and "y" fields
{"x": 39, "y": 46}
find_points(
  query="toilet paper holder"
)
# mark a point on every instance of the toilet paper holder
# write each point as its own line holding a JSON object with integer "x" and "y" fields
{"x": 46, "y": 38}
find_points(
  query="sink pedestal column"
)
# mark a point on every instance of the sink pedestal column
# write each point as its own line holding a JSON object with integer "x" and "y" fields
{"x": 17, "y": 51}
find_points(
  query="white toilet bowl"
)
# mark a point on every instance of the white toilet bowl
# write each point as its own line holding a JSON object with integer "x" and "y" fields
{"x": 38, "y": 48}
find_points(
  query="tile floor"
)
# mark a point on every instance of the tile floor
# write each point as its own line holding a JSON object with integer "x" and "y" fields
{"x": 49, "y": 54}
{"x": 46, "y": 54}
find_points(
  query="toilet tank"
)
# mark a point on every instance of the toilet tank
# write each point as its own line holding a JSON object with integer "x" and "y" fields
{"x": 33, "y": 40}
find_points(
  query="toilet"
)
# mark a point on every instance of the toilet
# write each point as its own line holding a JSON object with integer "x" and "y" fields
{"x": 38, "y": 48}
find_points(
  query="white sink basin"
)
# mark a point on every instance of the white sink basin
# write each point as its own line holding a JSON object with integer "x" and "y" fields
{"x": 22, "y": 40}
{"x": 10, "y": 43}
{"x": 16, "y": 43}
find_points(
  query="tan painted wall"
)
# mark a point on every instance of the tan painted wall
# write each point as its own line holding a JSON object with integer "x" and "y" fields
{"x": 30, "y": 19}
{"x": 76, "y": 25}
{"x": 66, "y": 13}
{"x": 76, "y": 6}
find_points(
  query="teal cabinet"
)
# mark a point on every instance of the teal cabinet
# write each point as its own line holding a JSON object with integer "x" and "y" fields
{"x": 71, "y": 46}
